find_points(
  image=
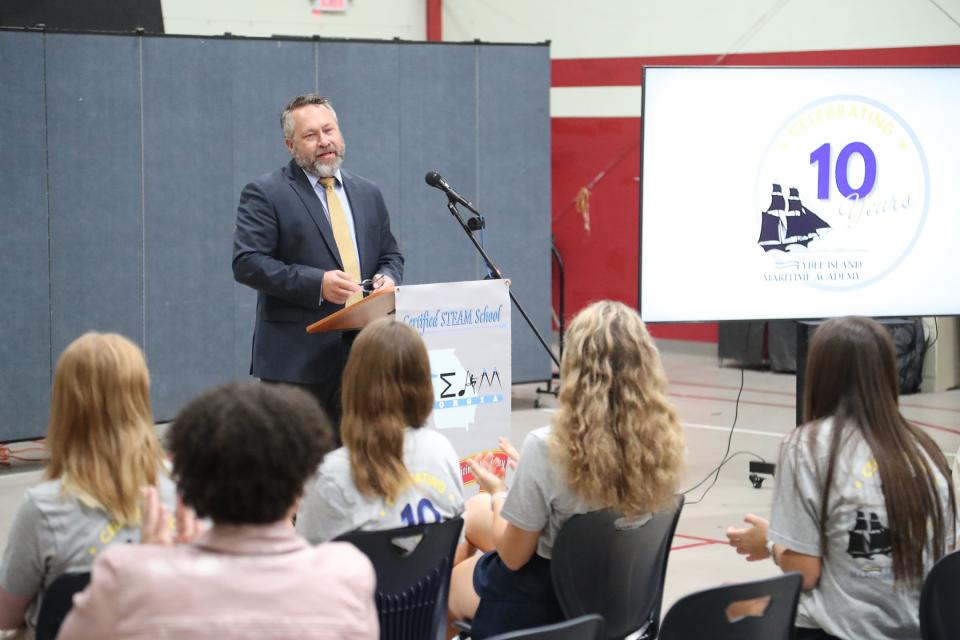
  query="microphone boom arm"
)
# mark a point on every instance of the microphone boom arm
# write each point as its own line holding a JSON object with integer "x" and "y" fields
{"x": 452, "y": 200}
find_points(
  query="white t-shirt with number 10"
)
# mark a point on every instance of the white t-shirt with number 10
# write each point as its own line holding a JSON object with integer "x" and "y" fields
{"x": 332, "y": 505}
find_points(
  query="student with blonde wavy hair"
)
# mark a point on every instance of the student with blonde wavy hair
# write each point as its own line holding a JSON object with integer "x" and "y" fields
{"x": 103, "y": 450}
{"x": 391, "y": 472}
{"x": 614, "y": 442}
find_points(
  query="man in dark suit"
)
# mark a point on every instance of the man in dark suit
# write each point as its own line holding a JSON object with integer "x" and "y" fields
{"x": 306, "y": 235}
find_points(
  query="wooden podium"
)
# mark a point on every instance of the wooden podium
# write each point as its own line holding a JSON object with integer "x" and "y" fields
{"x": 378, "y": 304}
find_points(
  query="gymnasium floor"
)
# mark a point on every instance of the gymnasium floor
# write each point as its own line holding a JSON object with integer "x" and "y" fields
{"x": 705, "y": 396}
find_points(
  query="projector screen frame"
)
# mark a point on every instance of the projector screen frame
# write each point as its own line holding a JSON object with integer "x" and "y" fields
{"x": 795, "y": 112}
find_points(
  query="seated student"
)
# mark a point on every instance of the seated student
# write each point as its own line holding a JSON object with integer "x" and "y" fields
{"x": 391, "y": 472}
{"x": 241, "y": 455}
{"x": 103, "y": 449}
{"x": 862, "y": 504}
{"x": 614, "y": 442}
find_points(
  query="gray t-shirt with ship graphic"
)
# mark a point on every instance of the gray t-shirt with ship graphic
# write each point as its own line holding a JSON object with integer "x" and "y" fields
{"x": 856, "y": 596}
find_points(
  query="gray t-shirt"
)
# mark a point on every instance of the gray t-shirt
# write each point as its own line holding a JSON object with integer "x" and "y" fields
{"x": 53, "y": 533}
{"x": 540, "y": 498}
{"x": 332, "y": 505}
{"x": 856, "y": 596}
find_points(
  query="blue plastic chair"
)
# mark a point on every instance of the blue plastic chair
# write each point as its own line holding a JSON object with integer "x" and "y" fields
{"x": 413, "y": 567}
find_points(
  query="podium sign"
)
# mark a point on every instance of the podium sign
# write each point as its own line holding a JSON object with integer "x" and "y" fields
{"x": 466, "y": 327}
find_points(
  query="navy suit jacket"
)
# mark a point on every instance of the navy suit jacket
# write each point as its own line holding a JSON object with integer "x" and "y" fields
{"x": 282, "y": 246}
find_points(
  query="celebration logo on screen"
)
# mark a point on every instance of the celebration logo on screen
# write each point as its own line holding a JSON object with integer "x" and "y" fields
{"x": 842, "y": 194}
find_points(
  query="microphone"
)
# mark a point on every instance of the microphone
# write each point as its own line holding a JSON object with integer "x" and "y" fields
{"x": 436, "y": 181}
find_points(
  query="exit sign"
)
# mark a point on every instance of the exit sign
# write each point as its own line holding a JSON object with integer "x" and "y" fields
{"x": 329, "y": 6}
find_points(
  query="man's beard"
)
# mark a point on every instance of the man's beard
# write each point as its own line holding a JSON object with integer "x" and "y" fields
{"x": 318, "y": 168}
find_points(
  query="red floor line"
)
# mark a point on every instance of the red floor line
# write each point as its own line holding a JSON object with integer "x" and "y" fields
{"x": 793, "y": 394}
{"x": 699, "y": 538}
{"x": 732, "y": 400}
{"x": 936, "y": 426}
{"x": 693, "y": 545}
{"x": 790, "y": 406}
{"x": 734, "y": 388}
{"x": 923, "y": 406}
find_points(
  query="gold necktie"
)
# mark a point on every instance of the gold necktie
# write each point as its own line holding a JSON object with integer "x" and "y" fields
{"x": 341, "y": 233}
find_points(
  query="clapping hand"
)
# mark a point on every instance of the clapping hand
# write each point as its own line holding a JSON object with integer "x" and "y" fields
{"x": 488, "y": 473}
{"x": 156, "y": 525}
{"x": 512, "y": 454}
{"x": 750, "y": 541}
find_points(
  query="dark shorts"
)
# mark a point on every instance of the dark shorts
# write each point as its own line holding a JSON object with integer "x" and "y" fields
{"x": 512, "y": 600}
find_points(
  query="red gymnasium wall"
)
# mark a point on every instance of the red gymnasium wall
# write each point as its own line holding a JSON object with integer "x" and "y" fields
{"x": 598, "y": 237}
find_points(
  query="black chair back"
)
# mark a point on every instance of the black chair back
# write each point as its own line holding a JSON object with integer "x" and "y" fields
{"x": 57, "y": 602}
{"x": 588, "y": 627}
{"x": 940, "y": 600}
{"x": 607, "y": 565}
{"x": 413, "y": 567}
{"x": 705, "y": 614}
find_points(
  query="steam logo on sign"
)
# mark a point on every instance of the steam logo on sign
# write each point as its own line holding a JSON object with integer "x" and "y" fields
{"x": 842, "y": 190}
{"x": 458, "y": 393}
{"x": 461, "y": 388}
{"x": 470, "y": 380}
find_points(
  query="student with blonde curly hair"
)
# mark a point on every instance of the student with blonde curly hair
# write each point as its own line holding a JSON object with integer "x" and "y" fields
{"x": 103, "y": 450}
{"x": 614, "y": 442}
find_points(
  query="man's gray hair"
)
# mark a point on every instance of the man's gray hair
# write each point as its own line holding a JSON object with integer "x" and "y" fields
{"x": 286, "y": 116}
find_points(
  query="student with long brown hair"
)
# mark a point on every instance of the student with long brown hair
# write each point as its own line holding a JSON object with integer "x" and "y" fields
{"x": 391, "y": 472}
{"x": 614, "y": 442}
{"x": 103, "y": 450}
{"x": 863, "y": 504}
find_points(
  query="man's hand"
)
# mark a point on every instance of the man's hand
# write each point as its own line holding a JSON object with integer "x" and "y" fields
{"x": 381, "y": 280}
{"x": 750, "y": 541}
{"x": 337, "y": 286}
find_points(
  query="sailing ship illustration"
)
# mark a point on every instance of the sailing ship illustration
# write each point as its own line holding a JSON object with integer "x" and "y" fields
{"x": 868, "y": 538}
{"x": 790, "y": 223}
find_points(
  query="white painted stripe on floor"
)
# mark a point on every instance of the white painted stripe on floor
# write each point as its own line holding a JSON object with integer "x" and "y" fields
{"x": 753, "y": 432}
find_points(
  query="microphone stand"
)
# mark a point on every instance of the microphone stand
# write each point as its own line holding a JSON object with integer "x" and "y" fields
{"x": 478, "y": 222}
